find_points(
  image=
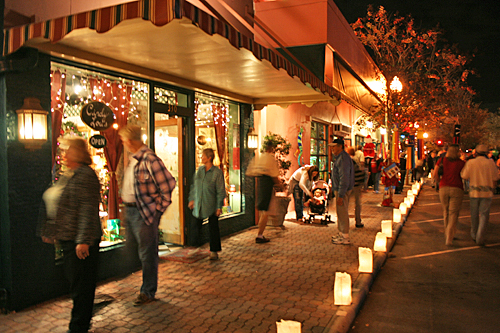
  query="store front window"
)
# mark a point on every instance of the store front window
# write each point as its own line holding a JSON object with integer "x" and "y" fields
{"x": 71, "y": 89}
{"x": 217, "y": 126}
{"x": 319, "y": 148}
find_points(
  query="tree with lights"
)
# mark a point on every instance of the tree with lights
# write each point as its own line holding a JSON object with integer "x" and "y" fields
{"x": 433, "y": 76}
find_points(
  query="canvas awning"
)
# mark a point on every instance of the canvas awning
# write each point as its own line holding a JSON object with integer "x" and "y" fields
{"x": 175, "y": 42}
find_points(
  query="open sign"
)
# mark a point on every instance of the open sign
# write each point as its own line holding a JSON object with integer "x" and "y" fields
{"x": 98, "y": 141}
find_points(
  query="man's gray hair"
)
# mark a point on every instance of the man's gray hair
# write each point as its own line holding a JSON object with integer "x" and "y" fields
{"x": 131, "y": 132}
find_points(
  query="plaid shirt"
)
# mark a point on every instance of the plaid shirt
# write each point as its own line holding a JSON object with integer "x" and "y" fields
{"x": 153, "y": 184}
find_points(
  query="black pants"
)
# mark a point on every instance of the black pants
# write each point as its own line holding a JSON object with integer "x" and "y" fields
{"x": 82, "y": 276}
{"x": 214, "y": 233}
{"x": 401, "y": 182}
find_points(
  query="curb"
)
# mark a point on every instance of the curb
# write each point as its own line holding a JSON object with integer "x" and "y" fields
{"x": 343, "y": 319}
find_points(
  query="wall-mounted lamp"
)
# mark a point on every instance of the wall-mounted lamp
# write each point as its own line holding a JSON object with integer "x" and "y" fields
{"x": 253, "y": 139}
{"x": 32, "y": 123}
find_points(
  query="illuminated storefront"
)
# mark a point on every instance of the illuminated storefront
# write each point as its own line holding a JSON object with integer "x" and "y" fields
{"x": 216, "y": 126}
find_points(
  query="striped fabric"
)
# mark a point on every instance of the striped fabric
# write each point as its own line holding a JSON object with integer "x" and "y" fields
{"x": 159, "y": 12}
{"x": 359, "y": 175}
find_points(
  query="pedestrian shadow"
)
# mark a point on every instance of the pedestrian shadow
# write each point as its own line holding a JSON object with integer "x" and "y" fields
{"x": 101, "y": 301}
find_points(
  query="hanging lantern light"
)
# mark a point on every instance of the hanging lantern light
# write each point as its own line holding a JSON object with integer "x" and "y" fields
{"x": 365, "y": 260}
{"x": 342, "y": 289}
{"x": 380, "y": 242}
{"x": 387, "y": 227}
{"x": 253, "y": 139}
{"x": 32, "y": 123}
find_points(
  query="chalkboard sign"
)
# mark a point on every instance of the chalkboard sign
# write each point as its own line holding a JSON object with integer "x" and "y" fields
{"x": 97, "y": 116}
{"x": 97, "y": 141}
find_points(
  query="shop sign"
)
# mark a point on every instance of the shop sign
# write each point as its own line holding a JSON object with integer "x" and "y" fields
{"x": 98, "y": 141}
{"x": 97, "y": 116}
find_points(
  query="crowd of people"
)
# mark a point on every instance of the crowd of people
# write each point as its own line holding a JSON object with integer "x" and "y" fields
{"x": 452, "y": 173}
{"x": 70, "y": 209}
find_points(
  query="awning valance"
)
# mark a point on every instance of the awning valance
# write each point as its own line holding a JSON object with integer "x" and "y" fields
{"x": 169, "y": 45}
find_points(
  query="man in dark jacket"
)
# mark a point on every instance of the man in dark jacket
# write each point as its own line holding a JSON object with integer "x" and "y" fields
{"x": 343, "y": 183}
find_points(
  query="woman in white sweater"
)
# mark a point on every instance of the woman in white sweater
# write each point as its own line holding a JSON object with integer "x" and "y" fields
{"x": 300, "y": 183}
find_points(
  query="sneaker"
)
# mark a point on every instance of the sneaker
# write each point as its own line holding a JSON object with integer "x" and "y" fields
{"x": 214, "y": 256}
{"x": 261, "y": 240}
{"x": 341, "y": 241}
{"x": 361, "y": 225}
{"x": 143, "y": 299}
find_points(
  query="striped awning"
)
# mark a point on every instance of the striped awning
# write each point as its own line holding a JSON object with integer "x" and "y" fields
{"x": 91, "y": 33}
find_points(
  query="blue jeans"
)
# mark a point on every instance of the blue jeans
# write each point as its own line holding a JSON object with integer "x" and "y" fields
{"x": 480, "y": 215}
{"x": 298, "y": 200}
{"x": 144, "y": 238}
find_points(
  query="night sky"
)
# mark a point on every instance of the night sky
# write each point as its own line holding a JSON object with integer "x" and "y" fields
{"x": 472, "y": 24}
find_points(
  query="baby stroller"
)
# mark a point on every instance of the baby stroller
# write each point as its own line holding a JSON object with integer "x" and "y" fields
{"x": 318, "y": 204}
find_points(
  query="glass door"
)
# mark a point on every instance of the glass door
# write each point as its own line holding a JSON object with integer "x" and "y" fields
{"x": 168, "y": 146}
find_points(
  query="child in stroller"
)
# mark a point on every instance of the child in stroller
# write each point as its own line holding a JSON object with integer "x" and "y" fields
{"x": 318, "y": 204}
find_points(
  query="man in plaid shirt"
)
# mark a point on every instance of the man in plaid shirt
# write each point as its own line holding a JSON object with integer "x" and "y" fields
{"x": 146, "y": 194}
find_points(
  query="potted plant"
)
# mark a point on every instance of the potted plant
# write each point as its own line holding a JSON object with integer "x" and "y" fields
{"x": 281, "y": 148}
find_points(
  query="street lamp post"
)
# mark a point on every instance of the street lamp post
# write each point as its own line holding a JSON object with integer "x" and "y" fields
{"x": 395, "y": 87}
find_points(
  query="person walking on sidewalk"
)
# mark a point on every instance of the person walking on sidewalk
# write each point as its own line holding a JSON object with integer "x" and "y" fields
{"x": 359, "y": 177}
{"x": 265, "y": 168}
{"x": 146, "y": 193}
{"x": 451, "y": 190}
{"x": 69, "y": 215}
{"x": 343, "y": 183}
{"x": 482, "y": 174}
{"x": 376, "y": 168}
{"x": 206, "y": 199}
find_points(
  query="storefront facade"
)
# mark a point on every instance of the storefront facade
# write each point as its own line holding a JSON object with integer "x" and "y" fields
{"x": 182, "y": 104}
{"x": 191, "y": 81}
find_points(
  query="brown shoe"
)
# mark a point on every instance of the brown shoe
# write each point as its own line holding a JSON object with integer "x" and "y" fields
{"x": 142, "y": 299}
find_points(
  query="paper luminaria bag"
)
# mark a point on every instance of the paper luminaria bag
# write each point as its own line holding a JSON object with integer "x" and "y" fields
{"x": 387, "y": 227}
{"x": 342, "y": 289}
{"x": 365, "y": 260}
{"x": 380, "y": 242}
{"x": 288, "y": 326}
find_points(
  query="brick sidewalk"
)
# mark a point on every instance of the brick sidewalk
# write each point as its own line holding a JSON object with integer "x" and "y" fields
{"x": 250, "y": 288}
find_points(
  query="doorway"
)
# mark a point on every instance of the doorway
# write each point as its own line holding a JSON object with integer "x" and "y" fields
{"x": 169, "y": 147}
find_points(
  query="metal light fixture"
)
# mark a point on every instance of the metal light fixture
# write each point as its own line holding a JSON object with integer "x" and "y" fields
{"x": 253, "y": 139}
{"x": 32, "y": 123}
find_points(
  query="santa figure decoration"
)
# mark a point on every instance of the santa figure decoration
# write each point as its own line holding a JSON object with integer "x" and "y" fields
{"x": 369, "y": 147}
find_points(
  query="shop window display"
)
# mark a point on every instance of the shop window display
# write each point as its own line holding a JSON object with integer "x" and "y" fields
{"x": 217, "y": 126}
{"x": 319, "y": 148}
{"x": 71, "y": 89}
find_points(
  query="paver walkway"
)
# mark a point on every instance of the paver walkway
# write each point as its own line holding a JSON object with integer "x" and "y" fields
{"x": 249, "y": 289}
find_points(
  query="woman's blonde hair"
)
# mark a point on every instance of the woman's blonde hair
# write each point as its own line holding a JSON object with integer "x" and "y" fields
{"x": 79, "y": 145}
{"x": 453, "y": 152}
